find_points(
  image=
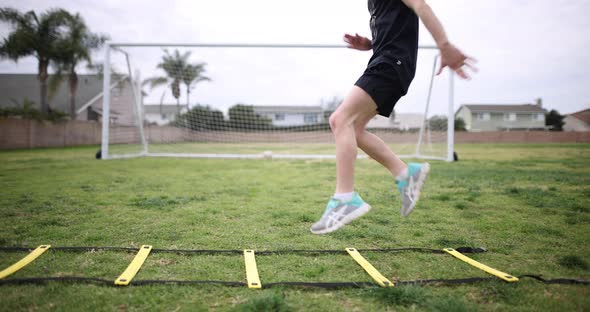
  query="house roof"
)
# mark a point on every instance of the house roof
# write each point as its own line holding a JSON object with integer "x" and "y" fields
{"x": 26, "y": 86}
{"x": 583, "y": 115}
{"x": 276, "y": 109}
{"x": 518, "y": 108}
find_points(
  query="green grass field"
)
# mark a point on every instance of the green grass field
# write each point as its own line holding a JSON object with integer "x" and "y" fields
{"x": 529, "y": 205}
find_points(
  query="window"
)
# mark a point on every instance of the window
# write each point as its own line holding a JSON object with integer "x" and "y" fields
{"x": 483, "y": 116}
{"x": 279, "y": 116}
{"x": 310, "y": 118}
{"x": 538, "y": 117}
{"x": 509, "y": 116}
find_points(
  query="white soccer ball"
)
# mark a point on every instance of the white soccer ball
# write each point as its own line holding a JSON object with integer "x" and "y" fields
{"x": 267, "y": 155}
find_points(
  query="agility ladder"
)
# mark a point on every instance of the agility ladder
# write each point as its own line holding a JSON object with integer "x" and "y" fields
{"x": 252, "y": 277}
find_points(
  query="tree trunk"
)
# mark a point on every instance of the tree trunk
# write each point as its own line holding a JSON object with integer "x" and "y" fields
{"x": 73, "y": 82}
{"x": 188, "y": 95}
{"x": 42, "y": 76}
{"x": 176, "y": 93}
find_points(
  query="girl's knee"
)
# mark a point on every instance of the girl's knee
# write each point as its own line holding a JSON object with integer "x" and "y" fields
{"x": 336, "y": 121}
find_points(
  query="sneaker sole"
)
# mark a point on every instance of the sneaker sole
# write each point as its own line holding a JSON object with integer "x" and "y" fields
{"x": 361, "y": 211}
{"x": 419, "y": 184}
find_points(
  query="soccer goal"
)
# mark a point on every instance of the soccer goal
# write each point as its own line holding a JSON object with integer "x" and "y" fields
{"x": 257, "y": 101}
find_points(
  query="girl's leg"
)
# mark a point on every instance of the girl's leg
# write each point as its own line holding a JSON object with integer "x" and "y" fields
{"x": 344, "y": 208}
{"x": 348, "y": 125}
{"x": 376, "y": 148}
{"x": 409, "y": 178}
{"x": 357, "y": 106}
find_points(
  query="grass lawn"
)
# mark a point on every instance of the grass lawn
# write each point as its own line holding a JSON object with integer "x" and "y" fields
{"x": 529, "y": 205}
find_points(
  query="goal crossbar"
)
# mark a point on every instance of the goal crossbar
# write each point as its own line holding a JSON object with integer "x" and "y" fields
{"x": 240, "y": 45}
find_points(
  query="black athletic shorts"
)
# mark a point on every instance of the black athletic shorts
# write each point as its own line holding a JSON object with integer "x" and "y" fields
{"x": 382, "y": 83}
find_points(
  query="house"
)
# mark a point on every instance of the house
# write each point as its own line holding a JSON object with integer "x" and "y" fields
{"x": 162, "y": 114}
{"x": 291, "y": 115}
{"x": 579, "y": 121}
{"x": 16, "y": 88}
{"x": 401, "y": 121}
{"x": 502, "y": 117}
{"x": 380, "y": 122}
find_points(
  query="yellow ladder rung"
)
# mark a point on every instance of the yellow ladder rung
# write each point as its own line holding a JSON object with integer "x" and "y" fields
{"x": 505, "y": 276}
{"x": 369, "y": 268}
{"x": 24, "y": 261}
{"x": 125, "y": 278}
{"x": 251, "y": 269}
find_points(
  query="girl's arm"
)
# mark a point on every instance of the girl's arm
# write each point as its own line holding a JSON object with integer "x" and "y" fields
{"x": 450, "y": 55}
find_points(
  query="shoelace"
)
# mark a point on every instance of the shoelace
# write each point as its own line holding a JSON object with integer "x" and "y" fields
{"x": 334, "y": 217}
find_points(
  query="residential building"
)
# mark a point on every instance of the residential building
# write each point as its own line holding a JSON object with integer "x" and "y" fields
{"x": 16, "y": 88}
{"x": 162, "y": 114}
{"x": 578, "y": 121}
{"x": 502, "y": 117}
{"x": 401, "y": 121}
{"x": 291, "y": 115}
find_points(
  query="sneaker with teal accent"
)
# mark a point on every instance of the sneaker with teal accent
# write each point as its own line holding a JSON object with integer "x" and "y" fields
{"x": 409, "y": 188}
{"x": 339, "y": 213}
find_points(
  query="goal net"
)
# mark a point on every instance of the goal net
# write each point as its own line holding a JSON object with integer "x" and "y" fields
{"x": 257, "y": 101}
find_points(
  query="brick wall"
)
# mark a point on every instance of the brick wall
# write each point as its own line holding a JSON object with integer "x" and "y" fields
{"x": 522, "y": 137}
{"x": 24, "y": 133}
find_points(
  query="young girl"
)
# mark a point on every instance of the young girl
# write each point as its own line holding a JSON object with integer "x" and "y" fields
{"x": 394, "y": 28}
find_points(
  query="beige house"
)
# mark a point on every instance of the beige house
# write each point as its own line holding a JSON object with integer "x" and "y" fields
{"x": 579, "y": 121}
{"x": 291, "y": 115}
{"x": 502, "y": 117}
{"x": 162, "y": 114}
{"x": 401, "y": 121}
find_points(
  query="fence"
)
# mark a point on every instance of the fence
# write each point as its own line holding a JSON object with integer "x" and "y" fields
{"x": 25, "y": 133}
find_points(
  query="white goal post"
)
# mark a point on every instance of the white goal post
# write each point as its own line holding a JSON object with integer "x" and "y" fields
{"x": 233, "y": 113}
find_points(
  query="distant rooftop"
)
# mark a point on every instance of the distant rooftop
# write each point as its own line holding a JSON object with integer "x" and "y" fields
{"x": 583, "y": 115}
{"x": 292, "y": 109}
{"x": 517, "y": 108}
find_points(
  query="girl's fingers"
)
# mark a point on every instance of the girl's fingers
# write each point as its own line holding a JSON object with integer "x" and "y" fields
{"x": 462, "y": 74}
{"x": 472, "y": 67}
{"x": 440, "y": 69}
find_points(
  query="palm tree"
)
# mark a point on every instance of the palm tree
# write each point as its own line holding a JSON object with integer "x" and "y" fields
{"x": 178, "y": 71}
{"x": 173, "y": 65}
{"x": 34, "y": 36}
{"x": 74, "y": 48}
{"x": 191, "y": 76}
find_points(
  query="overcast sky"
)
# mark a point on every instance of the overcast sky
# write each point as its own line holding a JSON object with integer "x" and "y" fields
{"x": 527, "y": 49}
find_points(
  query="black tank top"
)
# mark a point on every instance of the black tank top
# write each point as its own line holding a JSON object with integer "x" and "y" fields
{"x": 394, "y": 27}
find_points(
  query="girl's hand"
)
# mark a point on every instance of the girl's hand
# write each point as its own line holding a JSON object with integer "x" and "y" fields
{"x": 455, "y": 59}
{"x": 358, "y": 42}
